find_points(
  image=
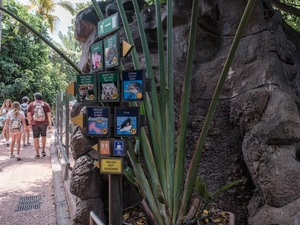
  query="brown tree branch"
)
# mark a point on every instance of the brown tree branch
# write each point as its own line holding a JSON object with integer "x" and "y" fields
{"x": 286, "y": 8}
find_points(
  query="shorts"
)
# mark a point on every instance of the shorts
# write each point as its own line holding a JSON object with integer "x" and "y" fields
{"x": 39, "y": 130}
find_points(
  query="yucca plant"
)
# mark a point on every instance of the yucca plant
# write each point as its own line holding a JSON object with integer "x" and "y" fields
{"x": 165, "y": 190}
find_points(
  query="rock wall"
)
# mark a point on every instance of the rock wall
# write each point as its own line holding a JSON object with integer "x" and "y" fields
{"x": 256, "y": 124}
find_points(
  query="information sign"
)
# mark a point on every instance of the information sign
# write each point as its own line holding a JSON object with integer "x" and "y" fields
{"x": 111, "y": 165}
{"x": 108, "y": 87}
{"x": 97, "y": 56}
{"x": 86, "y": 88}
{"x": 111, "y": 51}
{"x": 108, "y": 25}
{"x": 119, "y": 148}
{"x": 104, "y": 146}
{"x": 97, "y": 121}
{"x": 126, "y": 121}
{"x": 133, "y": 85}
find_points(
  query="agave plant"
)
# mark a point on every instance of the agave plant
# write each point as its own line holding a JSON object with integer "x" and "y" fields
{"x": 165, "y": 190}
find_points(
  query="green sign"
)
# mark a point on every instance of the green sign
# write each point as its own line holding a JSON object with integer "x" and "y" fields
{"x": 111, "y": 51}
{"x": 108, "y": 25}
{"x": 86, "y": 88}
{"x": 108, "y": 86}
{"x": 97, "y": 56}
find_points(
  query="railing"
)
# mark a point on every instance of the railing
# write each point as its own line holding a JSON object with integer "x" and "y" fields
{"x": 62, "y": 126}
{"x": 94, "y": 219}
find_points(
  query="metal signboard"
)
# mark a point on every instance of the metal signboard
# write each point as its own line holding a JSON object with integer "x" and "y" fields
{"x": 86, "y": 88}
{"x": 97, "y": 56}
{"x": 133, "y": 85}
{"x": 109, "y": 86}
{"x": 111, "y": 51}
{"x": 108, "y": 25}
{"x": 111, "y": 165}
{"x": 98, "y": 121}
{"x": 119, "y": 147}
{"x": 127, "y": 121}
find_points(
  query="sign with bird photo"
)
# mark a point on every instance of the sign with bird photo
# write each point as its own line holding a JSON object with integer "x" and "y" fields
{"x": 97, "y": 56}
{"x": 108, "y": 25}
{"x": 127, "y": 121}
{"x": 86, "y": 88}
{"x": 133, "y": 85}
{"x": 97, "y": 121}
{"x": 109, "y": 87}
{"x": 111, "y": 51}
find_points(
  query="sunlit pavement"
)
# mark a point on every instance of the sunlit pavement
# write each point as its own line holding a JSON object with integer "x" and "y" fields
{"x": 24, "y": 181}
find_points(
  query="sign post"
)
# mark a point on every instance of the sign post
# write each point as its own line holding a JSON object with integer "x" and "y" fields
{"x": 110, "y": 123}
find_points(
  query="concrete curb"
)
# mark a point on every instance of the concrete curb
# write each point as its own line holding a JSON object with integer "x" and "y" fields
{"x": 63, "y": 215}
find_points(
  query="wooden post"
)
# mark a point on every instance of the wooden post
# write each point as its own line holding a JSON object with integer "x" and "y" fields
{"x": 115, "y": 199}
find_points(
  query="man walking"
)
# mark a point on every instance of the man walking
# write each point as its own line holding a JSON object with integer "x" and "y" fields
{"x": 39, "y": 118}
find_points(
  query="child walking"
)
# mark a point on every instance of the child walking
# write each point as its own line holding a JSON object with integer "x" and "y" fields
{"x": 15, "y": 123}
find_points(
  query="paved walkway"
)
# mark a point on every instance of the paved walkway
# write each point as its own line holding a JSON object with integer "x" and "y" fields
{"x": 26, "y": 181}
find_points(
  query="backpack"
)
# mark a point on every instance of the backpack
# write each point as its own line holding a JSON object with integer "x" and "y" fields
{"x": 15, "y": 125}
{"x": 38, "y": 112}
{"x": 24, "y": 109}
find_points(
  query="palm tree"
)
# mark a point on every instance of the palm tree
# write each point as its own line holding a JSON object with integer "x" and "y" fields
{"x": 46, "y": 8}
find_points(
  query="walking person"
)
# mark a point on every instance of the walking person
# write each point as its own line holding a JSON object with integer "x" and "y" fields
{"x": 15, "y": 124}
{"x": 39, "y": 118}
{"x": 26, "y": 135}
{"x": 5, "y": 108}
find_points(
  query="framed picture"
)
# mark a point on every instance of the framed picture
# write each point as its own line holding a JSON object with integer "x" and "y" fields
{"x": 98, "y": 121}
{"x": 109, "y": 87}
{"x": 127, "y": 121}
{"x": 133, "y": 85}
{"x": 86, "y": 88}
{"x": 111, "y": 51}
{"x": 97, "y": 56}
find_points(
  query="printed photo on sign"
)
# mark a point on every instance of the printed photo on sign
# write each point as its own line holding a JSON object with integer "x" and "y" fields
{"x": 98, "y": 121}
{"x": 86, "y": 88}
{"x": 127, "y": 121}
{"x": 97, "y": 56}
{"x": 133, "y": 85}
{"x": 111, "y": 51}
{"x": 108, "y": 86}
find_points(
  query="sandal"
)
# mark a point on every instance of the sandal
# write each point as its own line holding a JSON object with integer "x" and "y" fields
{"x": 28, "y": 143}
{"x": 37, "y": 156}
{"x": 43, "y": 153}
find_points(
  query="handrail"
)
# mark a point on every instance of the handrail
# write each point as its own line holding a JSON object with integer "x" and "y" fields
{"x": 94, "y": 219}
{"x": 65, "y": 157}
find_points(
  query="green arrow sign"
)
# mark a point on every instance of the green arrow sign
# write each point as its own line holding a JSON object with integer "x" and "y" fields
{"x": 108, "y": 25}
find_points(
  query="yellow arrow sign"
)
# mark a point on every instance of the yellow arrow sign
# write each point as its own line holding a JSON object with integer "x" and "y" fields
{"x": 78, "y": 120}
{"x": 126, "y": 48}
{"x": 97, "y": 164}
{"x": 71, "y": 89}
{"x": 95, "y": 147}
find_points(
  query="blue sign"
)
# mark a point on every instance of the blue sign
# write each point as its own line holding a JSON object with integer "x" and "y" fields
{"x": 119, "y": 148}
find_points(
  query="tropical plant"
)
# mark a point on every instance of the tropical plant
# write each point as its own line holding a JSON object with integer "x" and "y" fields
{"x": 162, "y": 184}
{"x": 290, "y": 11}
{"x": 25, "y": 72}
{"x": 45, "y": 8}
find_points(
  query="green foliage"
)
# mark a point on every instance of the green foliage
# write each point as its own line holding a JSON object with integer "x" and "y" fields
{"x": 203, "y": 192}
{"x": 25, "y": 67}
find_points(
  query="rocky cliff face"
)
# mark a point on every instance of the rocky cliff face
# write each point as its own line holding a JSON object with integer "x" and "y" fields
{"x": 256, "y": 124}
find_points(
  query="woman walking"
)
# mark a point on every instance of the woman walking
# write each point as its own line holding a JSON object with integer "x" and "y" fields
{"x": 16, "y": 125}
{"x": 5, "y": 108}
